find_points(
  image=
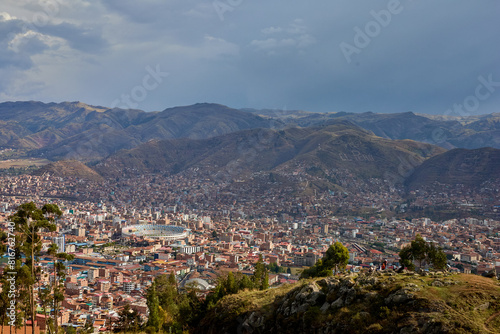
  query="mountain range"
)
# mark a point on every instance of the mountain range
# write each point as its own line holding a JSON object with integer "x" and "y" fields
{"x": 447, "y": 131}
{"x": 220, "y": 141}
{"x": 342, "y": 146}
{"x": 74, "y": 130}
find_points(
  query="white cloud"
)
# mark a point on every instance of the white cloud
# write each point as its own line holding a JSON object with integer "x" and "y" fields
{"x": 214, "y": 47}
{"x": 273, "y": 43}
{"x": 294, "y": 36}
{"x": 201, "y": 11}
{"x": 272, "y": 30}
{"x": 297, "y": 27}
{"x": 6, "y": 16}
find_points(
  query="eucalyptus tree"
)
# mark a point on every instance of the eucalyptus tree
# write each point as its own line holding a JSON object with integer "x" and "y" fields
{"x": 29, "y": 222}
{"x": 58, "y": 279}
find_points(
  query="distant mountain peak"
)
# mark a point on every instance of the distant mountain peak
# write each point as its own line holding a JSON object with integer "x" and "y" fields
{"x": 204, "y": 105}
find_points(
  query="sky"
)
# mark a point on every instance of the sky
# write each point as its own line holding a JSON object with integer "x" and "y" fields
{"x": 434, "y": 57}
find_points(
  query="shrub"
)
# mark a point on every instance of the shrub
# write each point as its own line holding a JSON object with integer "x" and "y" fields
{"x": 373, "y": 328}
{"x": 384, "y": 312}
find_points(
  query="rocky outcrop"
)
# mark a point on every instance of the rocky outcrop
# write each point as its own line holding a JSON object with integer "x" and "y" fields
{"x": 366, "y": 303}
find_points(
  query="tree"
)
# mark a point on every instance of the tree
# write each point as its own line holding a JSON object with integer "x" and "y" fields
{"x": 274, "y": 268}
{"x": 168, "y": 299}
{"x": 245, "y": 282}
{"x": 336, "y": 257}
{"x": 52, "y": 251}
{"x": 406, "y": 258}
{"x": 230, "y": 285}
{"x": 259, "y": 274}
{"x": 265, "y": 281}
{"x": 437, "y": 257}
{"x": 4, "y": 300}
{"x": 70, "y": 330}
{"x": 29, "y": 222}
{"x": 225, "y": 286}
{"x": 88, "y": 328}
{"x": 419, "y": 250}
{"x": 44, "y": 294}
{"x": 154, "y": 308}
{"x": 191, "y": 308}
{"x": 58, "y": 284}
{"x": 129, "y": 319}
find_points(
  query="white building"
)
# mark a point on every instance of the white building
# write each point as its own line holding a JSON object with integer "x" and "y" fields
{"x": 60, "y": 242}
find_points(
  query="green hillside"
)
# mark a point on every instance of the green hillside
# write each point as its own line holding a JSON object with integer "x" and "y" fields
{"x": 365, "y": 303}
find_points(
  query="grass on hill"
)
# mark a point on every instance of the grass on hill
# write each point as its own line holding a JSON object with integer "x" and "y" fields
{"x": 448, "y": 303}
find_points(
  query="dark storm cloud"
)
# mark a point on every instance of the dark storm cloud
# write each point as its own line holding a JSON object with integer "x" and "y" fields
{"x": 427, "y": 57}
{"x": 79, "y": 38}
{"x": 383, "y": 56}
{"x": 20, "y": 40}
{"x": 8, "y": 55}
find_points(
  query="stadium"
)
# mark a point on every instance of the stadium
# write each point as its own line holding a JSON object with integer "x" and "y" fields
{"x": 166, "y": 232}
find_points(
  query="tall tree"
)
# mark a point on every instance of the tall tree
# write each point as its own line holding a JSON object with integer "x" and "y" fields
{"x": 168, "y": 297}
{"x": 230, "y": 285}
{"x": 29, "y": 222}
{"x": 419, "y": 249}
{"x": 265, "y": 281}
{"x": 45, "y": 300}
{"x": 259, "y": 274}
{"x": 4, "y": 300}
{"x": 154, "y": 308}
{"x": 60, "y": 275}
{"x": 52, "y": 251}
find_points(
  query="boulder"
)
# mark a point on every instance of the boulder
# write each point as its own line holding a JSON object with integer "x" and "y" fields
{"x": 325, "y": 307}
{"x": 350, "y": 295}
{"x": 483, "y": 307}
{"x": 313, "y": 297}
{"x": 399, "y": 297}
{"x": 338, "y": 303}
{"x": 437, "y": 283}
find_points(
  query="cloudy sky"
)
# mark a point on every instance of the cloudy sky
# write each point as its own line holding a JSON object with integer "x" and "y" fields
{"x": 383, "y": 56}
